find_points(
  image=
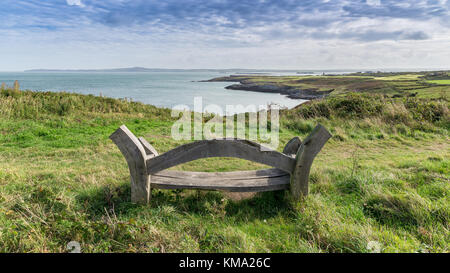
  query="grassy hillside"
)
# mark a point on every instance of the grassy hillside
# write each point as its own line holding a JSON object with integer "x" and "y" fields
{"x": 383, "y": 177}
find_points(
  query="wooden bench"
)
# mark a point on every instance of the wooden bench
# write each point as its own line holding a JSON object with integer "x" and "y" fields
{"x": 290, "y": 169}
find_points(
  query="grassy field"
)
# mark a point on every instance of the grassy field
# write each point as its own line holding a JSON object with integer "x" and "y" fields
{"x": 402, "y": 84}
{"x": 382, "y": 179}
{"x": 446, "y": 82}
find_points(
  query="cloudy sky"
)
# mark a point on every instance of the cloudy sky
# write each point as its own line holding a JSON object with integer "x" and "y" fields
{"x": 273, "y": 34}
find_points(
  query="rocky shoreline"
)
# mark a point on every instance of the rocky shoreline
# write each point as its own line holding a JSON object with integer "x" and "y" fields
{"x": 291, "y": 92}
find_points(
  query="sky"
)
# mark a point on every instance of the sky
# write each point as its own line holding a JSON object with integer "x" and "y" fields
{"x": 258, "y": 34}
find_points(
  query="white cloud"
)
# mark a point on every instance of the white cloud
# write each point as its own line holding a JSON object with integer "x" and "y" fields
{"x": 373, "y": 2}
{"x": 75, "y": 3}
{"x": 357, "y": 37}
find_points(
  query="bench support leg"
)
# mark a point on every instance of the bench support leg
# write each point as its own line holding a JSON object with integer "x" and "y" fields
{"x": 306, "y": 153}
{"x": 135, "y": 154}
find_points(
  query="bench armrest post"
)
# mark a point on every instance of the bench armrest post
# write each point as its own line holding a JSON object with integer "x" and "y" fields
{"x": 292, "y": 146}
{"x": 135, "y": 155}
{"x": 149, "y": 149}
{"x": 306, "y": 153}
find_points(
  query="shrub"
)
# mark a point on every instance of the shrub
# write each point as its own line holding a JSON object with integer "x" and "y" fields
{"x": 362, "y": 106}
{"x": 357, "y": 105}
{"x": 427, "y": 110}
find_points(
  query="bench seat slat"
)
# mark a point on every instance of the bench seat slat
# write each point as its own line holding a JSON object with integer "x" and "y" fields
{"x": 241, "y": 181}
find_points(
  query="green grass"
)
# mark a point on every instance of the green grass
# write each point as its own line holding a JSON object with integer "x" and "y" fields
{"x": 440, "y": 81}
{"x": 384, "y": 177}
{"x": 401, "y": 77}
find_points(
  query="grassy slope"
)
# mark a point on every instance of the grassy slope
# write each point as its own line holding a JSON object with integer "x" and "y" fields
{"x": 383, "y": 177}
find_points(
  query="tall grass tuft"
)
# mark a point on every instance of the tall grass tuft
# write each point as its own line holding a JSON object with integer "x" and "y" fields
{"x": 27, "y": 104}
{"x": 16, "y": 86}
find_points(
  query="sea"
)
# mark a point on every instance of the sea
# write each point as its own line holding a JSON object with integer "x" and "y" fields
{"x": 180, "y": 89}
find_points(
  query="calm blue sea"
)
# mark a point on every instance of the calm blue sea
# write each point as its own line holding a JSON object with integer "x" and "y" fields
{"x": 163, "y": 89}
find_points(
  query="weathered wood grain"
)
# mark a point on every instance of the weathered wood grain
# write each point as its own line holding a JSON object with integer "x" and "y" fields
{"x": 149, "y": 149}
{"x": 220, "y": 148}
{"x": 292, "y": 146}
{"x": 308, "y": 150}
{"x": 241, "y": 181}
{"x": 135, "y": 156}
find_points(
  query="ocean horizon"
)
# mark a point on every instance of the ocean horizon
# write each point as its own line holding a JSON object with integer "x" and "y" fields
{"x": 161, "y": 89}
{"x": 166, "y": 88}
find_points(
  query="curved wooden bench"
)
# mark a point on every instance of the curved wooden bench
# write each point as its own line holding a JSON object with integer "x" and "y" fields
{"x": 290, "y": 168}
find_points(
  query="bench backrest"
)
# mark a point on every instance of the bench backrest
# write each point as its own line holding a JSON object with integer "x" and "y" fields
{"x": 238, "y": 148}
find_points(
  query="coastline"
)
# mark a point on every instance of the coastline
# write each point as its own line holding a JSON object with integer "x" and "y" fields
{"x": 245, "y": 83}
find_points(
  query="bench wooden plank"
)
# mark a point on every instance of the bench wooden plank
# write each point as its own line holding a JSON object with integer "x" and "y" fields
{"x": 241, "y": 181}
{"x": 221, "y": 148}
